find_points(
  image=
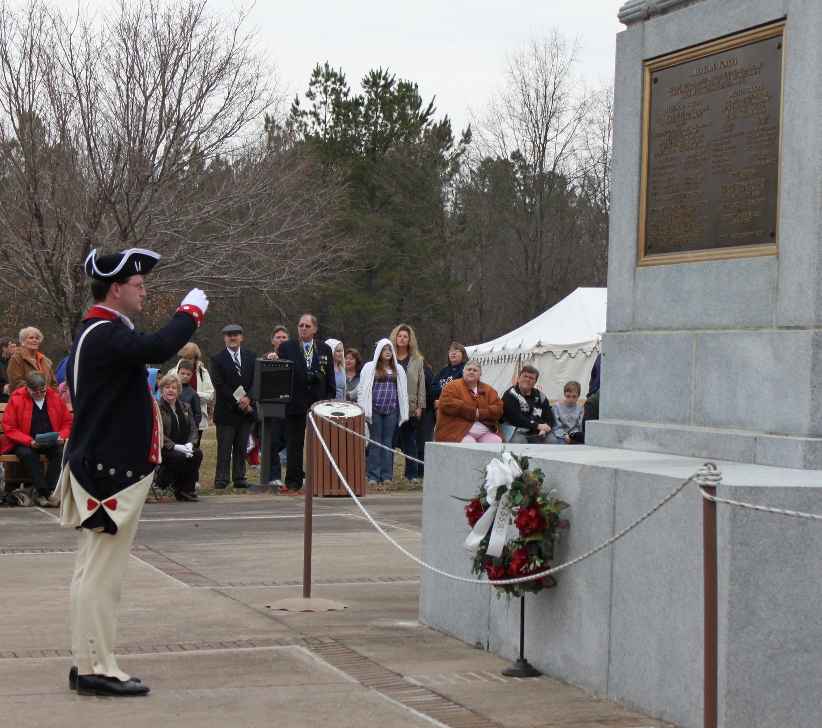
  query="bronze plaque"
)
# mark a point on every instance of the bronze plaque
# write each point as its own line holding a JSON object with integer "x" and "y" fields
{"x": 711, "y": 140}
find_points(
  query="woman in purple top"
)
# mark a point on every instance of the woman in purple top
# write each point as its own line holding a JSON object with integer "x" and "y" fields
{"x": 384, "y": 399}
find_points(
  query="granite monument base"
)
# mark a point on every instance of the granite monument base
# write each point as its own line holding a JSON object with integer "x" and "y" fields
{"x": 628, "y": 623}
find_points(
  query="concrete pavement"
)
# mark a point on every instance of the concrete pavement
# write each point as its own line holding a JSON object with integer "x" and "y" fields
{"x": 198, "y": 625}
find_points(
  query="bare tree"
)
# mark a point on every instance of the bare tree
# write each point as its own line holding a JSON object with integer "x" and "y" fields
{"x": 537, "y": 122}
{"x": 146, "y": 129}
{"x": 595, "y": 156}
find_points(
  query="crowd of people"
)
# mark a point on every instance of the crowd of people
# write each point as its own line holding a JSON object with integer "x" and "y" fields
{"x": 404, "y": 402}
{"x": 105, "y": 438}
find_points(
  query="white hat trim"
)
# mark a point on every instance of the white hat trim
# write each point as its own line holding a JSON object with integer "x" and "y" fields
{"x": 126, "y": 254}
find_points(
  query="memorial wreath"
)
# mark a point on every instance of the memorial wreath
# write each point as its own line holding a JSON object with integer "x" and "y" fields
{"x": 515, "y": 525}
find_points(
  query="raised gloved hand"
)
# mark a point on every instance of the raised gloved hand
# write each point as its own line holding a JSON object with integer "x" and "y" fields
{"x": 196, "y": 297}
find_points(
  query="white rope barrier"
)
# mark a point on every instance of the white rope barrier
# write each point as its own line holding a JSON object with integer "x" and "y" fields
{"x": 761, "y": 509}
{"x": 712, "y": 477}
{"x": 367, "y": 439}
{"x": 705, "y": 475}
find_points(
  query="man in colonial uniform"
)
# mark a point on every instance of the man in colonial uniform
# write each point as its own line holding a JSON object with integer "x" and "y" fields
{"x": 111, "y": 455}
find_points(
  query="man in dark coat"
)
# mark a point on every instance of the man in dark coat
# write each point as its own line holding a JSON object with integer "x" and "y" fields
{"x": 112, "y": 452}
{"x": 234, "y": 411}
{"x": 313, "y": 381}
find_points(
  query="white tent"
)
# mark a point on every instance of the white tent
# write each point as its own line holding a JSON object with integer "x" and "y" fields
{"x": 562, "y": 342}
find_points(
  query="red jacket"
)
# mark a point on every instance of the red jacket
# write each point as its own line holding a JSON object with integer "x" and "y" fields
{"x": 17, "y": 418}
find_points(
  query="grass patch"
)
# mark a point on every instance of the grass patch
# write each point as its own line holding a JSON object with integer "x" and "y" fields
{"x": 209, "y": 447}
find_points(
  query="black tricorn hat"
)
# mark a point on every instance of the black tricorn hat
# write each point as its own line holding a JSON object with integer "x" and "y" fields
{"x": 119, "y": 267}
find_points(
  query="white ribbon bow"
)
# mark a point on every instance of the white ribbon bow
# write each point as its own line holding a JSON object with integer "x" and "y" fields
{"x": 498, "y": 474}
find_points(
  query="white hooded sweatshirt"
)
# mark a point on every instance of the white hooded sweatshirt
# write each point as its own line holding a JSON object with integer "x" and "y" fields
{"x": 367, "y": 382}
{"x": 339, "y": 372}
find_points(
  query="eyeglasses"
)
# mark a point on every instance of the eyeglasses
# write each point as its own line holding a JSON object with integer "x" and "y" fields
{"x": 38, "y": 390}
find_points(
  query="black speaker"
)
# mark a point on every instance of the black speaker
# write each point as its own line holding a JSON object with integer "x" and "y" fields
{"x": 272, "y": 381}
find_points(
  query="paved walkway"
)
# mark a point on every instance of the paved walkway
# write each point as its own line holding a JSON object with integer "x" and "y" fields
{"x": 199, "y": 625}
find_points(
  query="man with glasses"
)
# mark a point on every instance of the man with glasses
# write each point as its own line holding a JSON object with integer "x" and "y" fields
{"x": 232, "y": 373}
{"x": 36, "y": 423}
{"x": 112, "y": 453}
{"x": 313, "y": 381}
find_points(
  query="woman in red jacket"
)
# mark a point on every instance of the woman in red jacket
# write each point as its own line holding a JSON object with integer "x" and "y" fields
{"x": 37, "y": 423}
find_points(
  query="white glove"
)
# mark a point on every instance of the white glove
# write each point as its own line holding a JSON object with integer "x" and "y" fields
{"x": 187, "y": 449}
{"x": 196, "y": 297}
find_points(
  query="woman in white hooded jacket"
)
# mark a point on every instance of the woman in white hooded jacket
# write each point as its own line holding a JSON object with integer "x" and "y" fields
{"x": 384, "y": 399}
{"x": 338, "y": 352}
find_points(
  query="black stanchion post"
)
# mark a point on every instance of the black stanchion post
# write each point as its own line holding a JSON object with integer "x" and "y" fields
{"x": 265, "y": 449}
{"x": 521, "y": 668}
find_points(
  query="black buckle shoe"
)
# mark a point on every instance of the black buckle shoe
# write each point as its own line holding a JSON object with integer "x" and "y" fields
{"x": 110, "y": 686}
{"x": 73, "y": 678}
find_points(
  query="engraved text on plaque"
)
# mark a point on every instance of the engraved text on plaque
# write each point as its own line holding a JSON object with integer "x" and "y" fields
{"x": 711, "y": 150}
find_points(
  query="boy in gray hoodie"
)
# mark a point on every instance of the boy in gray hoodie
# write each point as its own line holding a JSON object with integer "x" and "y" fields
{"x": 568, "y": 415}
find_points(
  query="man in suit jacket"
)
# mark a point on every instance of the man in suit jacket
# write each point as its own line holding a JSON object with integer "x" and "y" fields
{"x": 233, "y": 367}
{"x": 313, "y": 381}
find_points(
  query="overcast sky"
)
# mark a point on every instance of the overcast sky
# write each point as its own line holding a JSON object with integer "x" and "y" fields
{"x": 454, "y": 49}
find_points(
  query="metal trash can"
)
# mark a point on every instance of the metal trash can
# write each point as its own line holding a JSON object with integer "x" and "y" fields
{"x": 347, "y": 449}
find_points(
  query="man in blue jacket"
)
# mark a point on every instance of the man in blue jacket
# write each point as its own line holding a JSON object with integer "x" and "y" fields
{"x": 111, "y": 455}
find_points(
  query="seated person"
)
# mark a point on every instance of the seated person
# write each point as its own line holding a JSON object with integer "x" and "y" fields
{"x": 185, "y": 370}
{"x": 569, "y": 415}
{"x": 181, "y": 458}
{"x": 37, "y": 422}
{"x": 469, "y": 410}
{"x": 527, "y": 416}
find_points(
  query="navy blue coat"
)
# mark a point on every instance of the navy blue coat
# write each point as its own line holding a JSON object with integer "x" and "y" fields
{"x": 113, "y": 410}
{"x": 446, "y": 375}
{"x": 303, "y": 394}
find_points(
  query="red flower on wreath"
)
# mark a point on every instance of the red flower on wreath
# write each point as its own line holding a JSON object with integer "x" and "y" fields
{"x": 519, "y": 562}
{"x": 530, "y": 520}
{"x": 494, "y": 572}
{"x": 474, "y": 511}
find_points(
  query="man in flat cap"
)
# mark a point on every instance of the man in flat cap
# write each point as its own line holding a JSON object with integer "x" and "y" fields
{"x": 232, "y": 372}
{"x": 112, "y": 452}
